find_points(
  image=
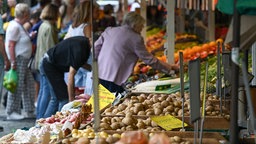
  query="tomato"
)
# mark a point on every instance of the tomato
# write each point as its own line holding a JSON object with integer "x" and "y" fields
{"x": 203, "y": 54}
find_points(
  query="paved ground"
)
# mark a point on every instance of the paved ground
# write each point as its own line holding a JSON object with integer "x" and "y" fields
{"x": 11, "y": 126}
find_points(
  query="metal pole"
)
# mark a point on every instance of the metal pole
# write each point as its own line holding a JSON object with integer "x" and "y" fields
{"x": 234, "y": 138}
{"x": 95, "y": 79}
{"x": 170, "y": 30}
{"x": 254, "y": 63}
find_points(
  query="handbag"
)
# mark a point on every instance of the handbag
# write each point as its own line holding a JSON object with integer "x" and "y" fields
{"x": 31, "y": 64}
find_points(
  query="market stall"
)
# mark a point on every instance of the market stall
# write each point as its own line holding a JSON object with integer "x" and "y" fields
{"x": 156, "y": 106}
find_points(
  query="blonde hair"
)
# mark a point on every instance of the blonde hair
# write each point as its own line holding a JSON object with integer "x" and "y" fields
{"x": 133, "y": 19}
{"x": 50, "y": 12}
{"x": 21, "y": 10}
{"x": 82, "y": 12}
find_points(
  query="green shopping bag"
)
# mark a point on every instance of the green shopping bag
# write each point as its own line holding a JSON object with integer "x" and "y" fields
{"x": 11, "y": 80}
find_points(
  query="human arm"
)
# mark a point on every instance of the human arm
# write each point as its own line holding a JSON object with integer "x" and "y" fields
{"x": 3, "y": 52}
{"x": 149, "y": 59}
{"x": 98, "y": 44}
{"x": 11, "y": 48}
{"x": 71, "y": 84}
{"x": 88, "y": 33}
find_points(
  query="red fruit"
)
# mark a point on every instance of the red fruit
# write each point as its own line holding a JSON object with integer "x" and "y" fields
{"x": 49, "y": 120}
{"x": 203, "y": 54}
{"x": 144, "y": 69}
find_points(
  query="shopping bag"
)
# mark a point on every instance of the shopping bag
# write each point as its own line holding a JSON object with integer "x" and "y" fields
{"x": 31, "y": 64}
{"x": 11, "y": 80}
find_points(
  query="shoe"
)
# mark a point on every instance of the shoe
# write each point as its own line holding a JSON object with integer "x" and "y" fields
{"x": 29, "y": 115}
{"x": 15, "y": 116}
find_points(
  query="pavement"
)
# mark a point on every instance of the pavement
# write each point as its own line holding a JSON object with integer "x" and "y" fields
{"x": 11, "y": 126}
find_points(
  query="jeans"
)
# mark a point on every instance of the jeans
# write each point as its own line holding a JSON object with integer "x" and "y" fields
{"x": 44, "y": 95}
{"x": 53, "y": 104}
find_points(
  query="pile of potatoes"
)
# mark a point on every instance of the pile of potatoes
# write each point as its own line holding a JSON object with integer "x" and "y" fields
{"x": 162, "y": 104}
{"x": 151, "y": 104}
{"x": 128, "y": 123}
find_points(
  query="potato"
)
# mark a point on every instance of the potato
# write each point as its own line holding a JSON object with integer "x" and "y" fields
{"x": 150, "y": 113}
{"x": 169, "y": 108}
{"x": 157, "y": 111}
{"x": 83, "y": 140}
{"x": 177, "y": 139}
{"x": 155, "y": 99}
{"x": 153, "y": 124}
{"x": 209, "y": 108}
{"x": 112, "y": 139}
{"x": 141, "y": 99}
{"x": 141, "y": 125}
{"x": 128, "y": 120}
{"x": 149, "y": 102}
{"x": 180, "y": 112}
{"x": 108, "y": 110}
{"x": 120, "y": 113}
{"x": 164, "y": 103}
{"x": 65, "y": 141}
{"x": 169, "y": 99}
{"x": 122, "y": 107}
{"x": 105, "y": 126}
{"x": 115, "y": 125}
{"x": 141, "y": 113}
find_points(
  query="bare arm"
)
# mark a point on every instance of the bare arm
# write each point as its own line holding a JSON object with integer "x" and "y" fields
{"x": 88, "y": 32}
{"x": 71, "y": 83}
{"x": 11, "y": 47}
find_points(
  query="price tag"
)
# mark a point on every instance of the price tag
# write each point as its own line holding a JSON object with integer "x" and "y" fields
{"x": 105, "y": 98}
{"x": 168, "y": 122}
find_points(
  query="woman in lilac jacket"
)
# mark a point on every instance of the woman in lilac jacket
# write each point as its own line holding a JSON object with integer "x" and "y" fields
{"x": 119, "y": 48}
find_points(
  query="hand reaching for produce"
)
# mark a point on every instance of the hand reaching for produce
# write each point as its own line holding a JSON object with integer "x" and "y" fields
{"x": 175, "y": 67}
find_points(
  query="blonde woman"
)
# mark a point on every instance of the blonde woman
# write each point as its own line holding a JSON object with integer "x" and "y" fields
{"x": 81, "y": 26}
{"x": 19, "y": 49}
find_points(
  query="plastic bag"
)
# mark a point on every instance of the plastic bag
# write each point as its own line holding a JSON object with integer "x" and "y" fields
{"x": 11, "y": 80}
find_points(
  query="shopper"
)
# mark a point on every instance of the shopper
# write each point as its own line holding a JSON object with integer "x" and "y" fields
{"x": 67, "y": 56}
{"x": 107, "y": 20}
{"x": 119, "y": 48}
{"x": 82, "y": 26}
{"x": 4, "y": 62}
{"x": 19, "y": 49}
{"x": 47, "y": 38}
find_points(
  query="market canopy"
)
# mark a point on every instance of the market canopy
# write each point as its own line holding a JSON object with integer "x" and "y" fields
{"x": 244, "y": 7}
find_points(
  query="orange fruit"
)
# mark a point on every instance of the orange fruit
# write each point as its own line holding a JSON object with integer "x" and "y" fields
{"x": 205, "y": 47}
{"x": 212, "y": 43}
{"x": 220, "y": 40}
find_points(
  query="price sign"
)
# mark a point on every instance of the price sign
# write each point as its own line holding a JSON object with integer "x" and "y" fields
{"x": 105, "y": 98}
{"x": 167, "y": 122}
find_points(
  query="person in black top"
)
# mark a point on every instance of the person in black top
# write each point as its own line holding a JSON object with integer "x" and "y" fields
{"x": 67, "y": 56}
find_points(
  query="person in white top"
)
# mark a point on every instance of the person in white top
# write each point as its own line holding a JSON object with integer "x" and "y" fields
{"x": 81, "y": 26}
{"x": 19, "y": 49}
